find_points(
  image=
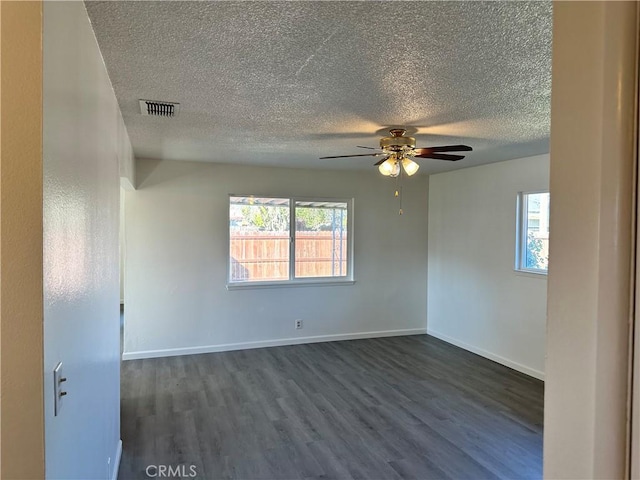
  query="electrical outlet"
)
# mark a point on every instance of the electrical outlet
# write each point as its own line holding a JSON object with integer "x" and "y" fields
{"x": 298, "y": 324}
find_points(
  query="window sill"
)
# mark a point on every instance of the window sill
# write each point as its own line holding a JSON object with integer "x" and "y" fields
{"x": 288, "y": 284}
{"x": 530, "y": 273}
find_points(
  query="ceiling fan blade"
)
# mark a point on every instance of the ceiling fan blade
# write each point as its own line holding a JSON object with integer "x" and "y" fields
{"x": 370, "y": 148}
{"x": 445, "y": 148}
{"x": 441, "y": 156}
{"x": 359, "y": 155}
{"x": 380, "y": 162}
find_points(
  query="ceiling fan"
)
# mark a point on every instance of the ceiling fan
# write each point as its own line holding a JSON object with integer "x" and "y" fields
{"x": 398, "y": 150}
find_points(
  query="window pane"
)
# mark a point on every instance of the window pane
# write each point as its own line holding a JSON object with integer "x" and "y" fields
{"x": 321, "y": 239}
{"x": 537, "y": 228}
{"x": 259, "y": 239}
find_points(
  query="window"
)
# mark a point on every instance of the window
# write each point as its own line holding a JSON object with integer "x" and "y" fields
{"x": 532, "y": 244}
{"x": 280, "y": 240}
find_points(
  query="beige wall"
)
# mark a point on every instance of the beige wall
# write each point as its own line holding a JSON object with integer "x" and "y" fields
{"x": 21, "y": 410}
{"x": 591, "y": 182}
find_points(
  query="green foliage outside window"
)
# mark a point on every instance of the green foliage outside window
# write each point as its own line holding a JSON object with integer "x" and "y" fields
{"x": 535, "y": 258}
{"x": 276, "y": 218}
{"x": 271, "y": 219}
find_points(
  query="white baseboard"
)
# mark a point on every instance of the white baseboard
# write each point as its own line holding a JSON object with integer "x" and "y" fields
{"x": 491, "y": 356}
{"x": 172, "y": 352}
{"x": 116, "y": 463}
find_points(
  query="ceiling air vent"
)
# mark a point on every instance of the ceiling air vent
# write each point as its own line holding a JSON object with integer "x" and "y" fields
{"x": 156, "y": 108}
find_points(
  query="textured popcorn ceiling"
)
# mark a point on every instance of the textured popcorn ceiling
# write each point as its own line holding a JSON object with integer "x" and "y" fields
{"x": 283, "y": 83}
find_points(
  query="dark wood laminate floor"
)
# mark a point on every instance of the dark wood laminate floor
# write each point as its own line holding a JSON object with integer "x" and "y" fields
{"x": 390, "y": 408}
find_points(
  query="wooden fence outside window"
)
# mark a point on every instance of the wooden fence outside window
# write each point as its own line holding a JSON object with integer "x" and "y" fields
{"x": 258, "y": 256}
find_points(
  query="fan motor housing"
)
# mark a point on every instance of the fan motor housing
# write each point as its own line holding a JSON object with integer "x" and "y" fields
{"x": 397, "y": 143}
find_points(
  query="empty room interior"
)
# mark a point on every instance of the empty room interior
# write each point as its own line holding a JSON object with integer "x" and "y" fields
{"x": 239, "y": 239}
{"x": 304, "y": 240}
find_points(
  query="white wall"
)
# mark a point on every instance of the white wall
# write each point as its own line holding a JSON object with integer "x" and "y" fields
{"x": 122, "y": 252}
{"x": 126, "y": 160}
{"x": 475, "y": 299}
{"x": 176, "y": 241}
{"x": 81, "y": 299}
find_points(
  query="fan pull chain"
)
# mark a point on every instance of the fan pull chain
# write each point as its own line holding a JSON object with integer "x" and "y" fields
{"x": 399, "y": 189}
{"x": 397, "y": 192}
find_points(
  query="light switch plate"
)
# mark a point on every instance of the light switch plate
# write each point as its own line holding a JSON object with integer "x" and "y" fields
{"x": 58, "y": 391}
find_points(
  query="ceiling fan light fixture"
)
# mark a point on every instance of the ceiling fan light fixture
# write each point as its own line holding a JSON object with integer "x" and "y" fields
{"x": 389, "y": 168}
{"x": 398, "y": 151}
{"x": 410, "y": 167}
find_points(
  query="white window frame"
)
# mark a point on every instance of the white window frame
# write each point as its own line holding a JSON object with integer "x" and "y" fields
{"x": 521, "y": 234}
{"x": 293, "y": 281}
